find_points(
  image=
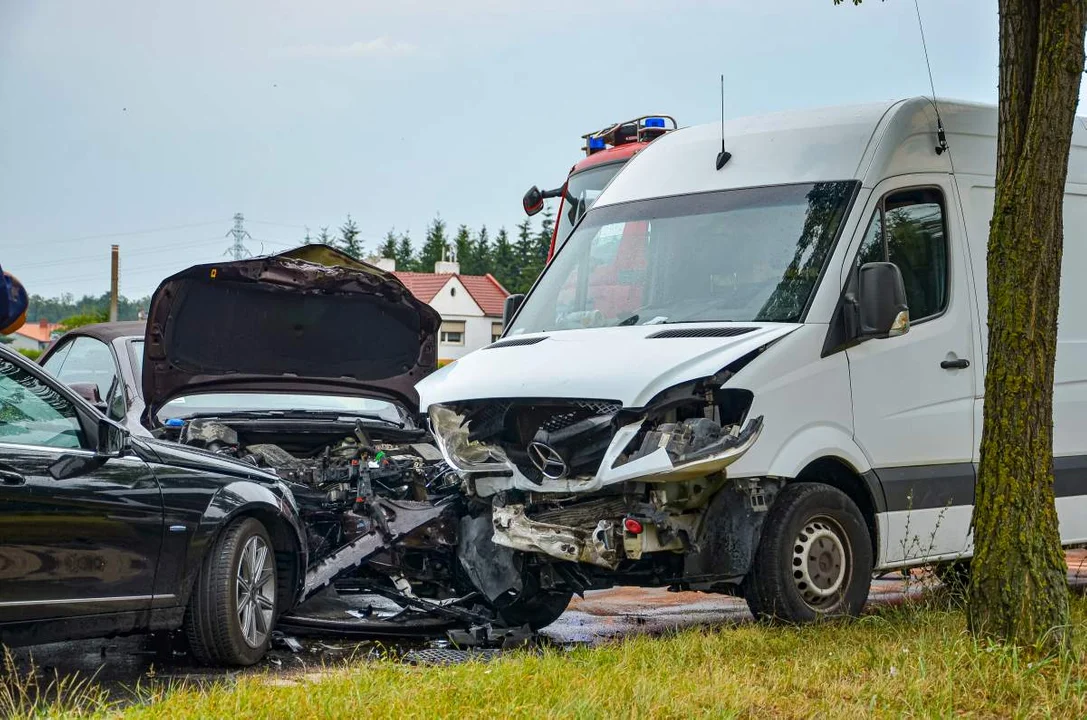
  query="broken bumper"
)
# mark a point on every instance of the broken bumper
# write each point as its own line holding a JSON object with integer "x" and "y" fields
{"x": 492, "y": 471}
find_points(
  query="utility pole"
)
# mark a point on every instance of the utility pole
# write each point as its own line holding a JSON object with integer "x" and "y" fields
{"x": 238, "y": 251}
{"x": 114, "y": 261}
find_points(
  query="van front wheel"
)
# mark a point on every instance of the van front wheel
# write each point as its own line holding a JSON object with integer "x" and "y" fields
{"x": 814, "y": 559}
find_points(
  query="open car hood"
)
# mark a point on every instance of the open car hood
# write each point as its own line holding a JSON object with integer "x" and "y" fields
{"x": 309, "y": 320}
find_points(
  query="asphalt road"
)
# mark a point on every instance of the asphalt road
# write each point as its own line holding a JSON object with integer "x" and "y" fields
{"x": 600, "y": 616}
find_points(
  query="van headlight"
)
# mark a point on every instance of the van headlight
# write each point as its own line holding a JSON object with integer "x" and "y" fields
{"x": 451, "y": 433}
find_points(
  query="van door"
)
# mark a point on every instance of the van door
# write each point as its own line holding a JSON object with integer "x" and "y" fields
{"x": 913, "y": 395}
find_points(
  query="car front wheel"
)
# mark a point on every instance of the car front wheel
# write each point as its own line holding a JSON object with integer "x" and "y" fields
{"x": 232, "y": 610}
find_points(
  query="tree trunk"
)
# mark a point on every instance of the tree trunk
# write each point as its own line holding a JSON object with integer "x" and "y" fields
{"x": 1018, "y": 591}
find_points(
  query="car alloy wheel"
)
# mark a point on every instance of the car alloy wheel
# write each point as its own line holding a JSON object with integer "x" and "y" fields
{"x": 255, "y": 591}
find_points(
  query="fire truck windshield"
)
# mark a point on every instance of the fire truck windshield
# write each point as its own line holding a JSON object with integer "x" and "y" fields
{"x": 582, "y": 190}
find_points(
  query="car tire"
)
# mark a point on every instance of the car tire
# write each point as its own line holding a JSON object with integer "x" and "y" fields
{"x": 535, "y": 606}
{"x": 537, "y": 611}
{"x": 233, "y": 607}
{"x": 814, "y": 559}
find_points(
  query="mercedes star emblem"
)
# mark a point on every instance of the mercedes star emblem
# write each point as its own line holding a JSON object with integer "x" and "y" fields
{"x": 547, "y": 460}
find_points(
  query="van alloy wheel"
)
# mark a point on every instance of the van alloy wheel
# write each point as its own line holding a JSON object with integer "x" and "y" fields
{"x": 255, "y": 591}
{"x": 819, "y": 562}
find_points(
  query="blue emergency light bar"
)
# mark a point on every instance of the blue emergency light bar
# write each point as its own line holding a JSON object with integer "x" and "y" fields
{"x": 597, "y": 143}
{"x": 654, "y": 122}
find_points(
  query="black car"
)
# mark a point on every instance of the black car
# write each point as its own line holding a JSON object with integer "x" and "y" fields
{"x": 105, "y": 533}
{"x": 303, "y": 364}
{"x": 102, "y": 363}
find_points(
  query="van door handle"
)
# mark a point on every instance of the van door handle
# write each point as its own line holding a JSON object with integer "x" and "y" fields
{"x": 958, "y": 364}
{"x": 10, "y": 477}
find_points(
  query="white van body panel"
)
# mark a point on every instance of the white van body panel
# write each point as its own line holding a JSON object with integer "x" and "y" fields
{"x": 623, "y": 364}
{"x": 809, "y": 402}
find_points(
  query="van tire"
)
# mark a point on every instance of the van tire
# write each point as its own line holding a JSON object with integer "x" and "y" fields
{"x": 814, "y": 559}
{"x": 213, "y": 625}
{"x": 955, "y": 576}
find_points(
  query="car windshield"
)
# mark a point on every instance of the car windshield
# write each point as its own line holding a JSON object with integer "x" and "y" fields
{"x": 226, "y": 403}
{"x": 582, "y": 190}
{"x": 749, "y": 255}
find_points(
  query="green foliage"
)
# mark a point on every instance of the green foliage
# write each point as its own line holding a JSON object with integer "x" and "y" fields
{"x": 530, "y": 256}
{"x": 434, "y": 247}
{"x": 478, "y": 261}
{"x": 66, "y": 306}
{"x": 885, "y": 665}
{"x": 88, "y": 318}
{"x": 504, "y": 261}
{"x": 30, "y": 353}
{"x": 349, "y": 240}
{"x": 462, "y": 245}
{"x": 405, "y": 254}
{"x": 388, "y": 246}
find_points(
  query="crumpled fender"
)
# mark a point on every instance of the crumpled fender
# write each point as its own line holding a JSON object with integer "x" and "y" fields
{"x": 236, "y": 500}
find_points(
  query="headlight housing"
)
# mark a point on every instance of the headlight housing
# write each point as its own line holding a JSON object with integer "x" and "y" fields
{"x": 451, "y": 430}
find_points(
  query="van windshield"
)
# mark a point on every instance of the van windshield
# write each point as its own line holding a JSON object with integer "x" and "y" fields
{"x": 748, "y": 255}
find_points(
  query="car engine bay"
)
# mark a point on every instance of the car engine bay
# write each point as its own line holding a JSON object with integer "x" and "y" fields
{"x": 385, "y": 516}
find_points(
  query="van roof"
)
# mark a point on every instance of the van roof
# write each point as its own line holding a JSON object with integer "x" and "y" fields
{"x": 866, "y": 142}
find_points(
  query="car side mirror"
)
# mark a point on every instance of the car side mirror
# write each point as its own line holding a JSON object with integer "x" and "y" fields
{"x": 89, "y": 392}
{"x": 510, "y": 308}
{"x": 112, "y": 439}
{"x": 881, "y": 301}
{"x": 533, "y": 201}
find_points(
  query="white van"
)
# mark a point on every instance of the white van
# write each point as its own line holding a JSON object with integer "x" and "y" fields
{"x": 766, "y": 378}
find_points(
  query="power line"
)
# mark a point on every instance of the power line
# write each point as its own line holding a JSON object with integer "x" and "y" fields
{"x": 81, "y": 259}
{"x": 128, "y": 233}
{"x": 279, "y": 224}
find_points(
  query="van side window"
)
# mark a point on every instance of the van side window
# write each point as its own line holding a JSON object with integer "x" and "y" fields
{"x": 908, "y": 229}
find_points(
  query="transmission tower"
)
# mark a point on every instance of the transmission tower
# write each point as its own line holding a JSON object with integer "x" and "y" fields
{"x": 238, "y": 250}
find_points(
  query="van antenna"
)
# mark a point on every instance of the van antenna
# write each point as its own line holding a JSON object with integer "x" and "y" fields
{"x": 941, "y": 138}
{"x": 724, "y": 156}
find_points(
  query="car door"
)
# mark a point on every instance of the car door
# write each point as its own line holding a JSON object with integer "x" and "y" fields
{"x": 79, "y": 534}
{"x": 913, "y": 394}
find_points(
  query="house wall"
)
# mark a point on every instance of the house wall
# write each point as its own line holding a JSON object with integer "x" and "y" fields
{"x": 477, "y": 333}
{"x": 454, "y": 299}
{"x": 21, "y": 342}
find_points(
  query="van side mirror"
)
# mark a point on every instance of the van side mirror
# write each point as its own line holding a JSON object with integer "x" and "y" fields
{"x": 510, "y": 308}
{"x": 533, "y": 201}
{"x": 881, "y": 301}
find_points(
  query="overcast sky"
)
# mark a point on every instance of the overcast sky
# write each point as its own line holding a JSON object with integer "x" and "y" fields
{"x": 120, "y": 117}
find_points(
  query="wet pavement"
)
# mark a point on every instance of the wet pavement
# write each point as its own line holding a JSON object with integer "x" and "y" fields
{"x": 122, "y": 664}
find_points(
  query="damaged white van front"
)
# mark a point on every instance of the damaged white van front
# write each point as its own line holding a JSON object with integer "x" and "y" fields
{"x": 715, "y": 383}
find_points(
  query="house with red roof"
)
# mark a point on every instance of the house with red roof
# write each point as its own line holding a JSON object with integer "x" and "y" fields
{"x": 34, "y": 336}
{"x": 470, "y": 305}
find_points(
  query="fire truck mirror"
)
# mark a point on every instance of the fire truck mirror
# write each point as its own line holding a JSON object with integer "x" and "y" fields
{"x": 533, "y": 201}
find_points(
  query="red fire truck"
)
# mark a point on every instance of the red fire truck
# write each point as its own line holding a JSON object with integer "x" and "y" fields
{"x": 606, "y": 151}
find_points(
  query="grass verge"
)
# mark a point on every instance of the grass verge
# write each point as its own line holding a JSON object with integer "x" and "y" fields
{"x": 894, "y": 662}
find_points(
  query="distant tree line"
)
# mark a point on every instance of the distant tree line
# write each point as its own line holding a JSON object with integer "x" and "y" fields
{"x": 515, "y": 262}
{"x": 68, "y": 306}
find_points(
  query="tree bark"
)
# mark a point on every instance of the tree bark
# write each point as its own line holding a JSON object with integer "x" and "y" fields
{"x": 1018, "y": 591}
